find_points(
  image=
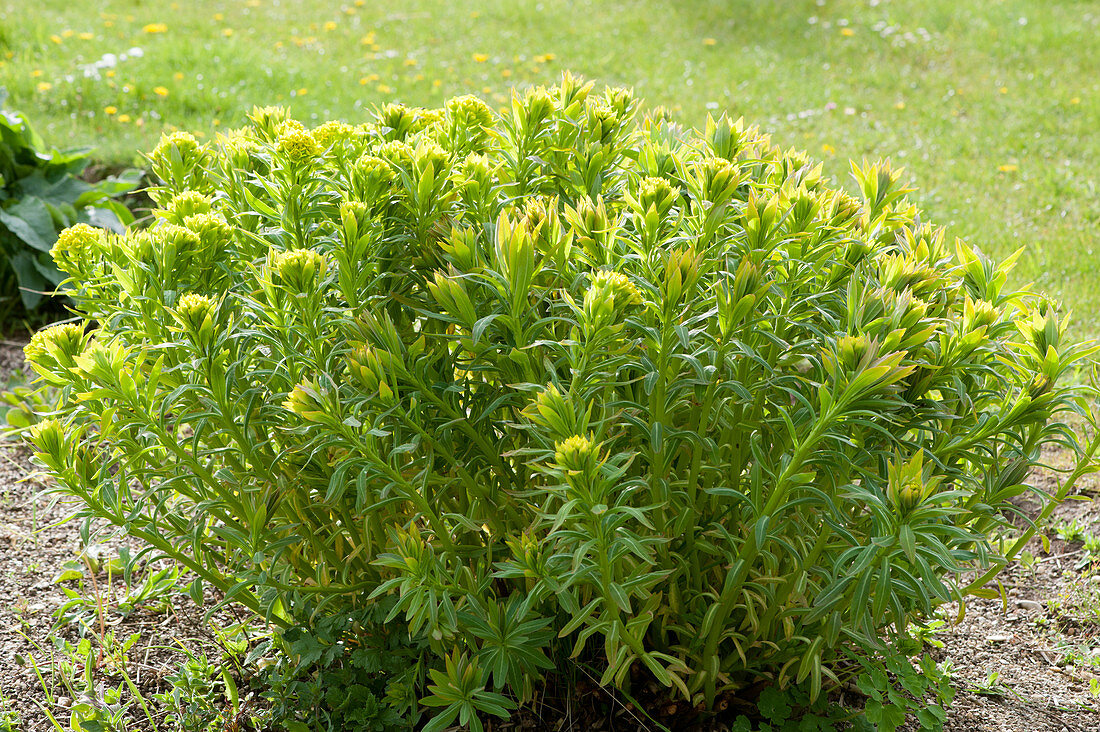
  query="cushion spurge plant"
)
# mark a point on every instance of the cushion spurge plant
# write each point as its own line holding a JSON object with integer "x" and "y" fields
{"x": 553, "y": 387}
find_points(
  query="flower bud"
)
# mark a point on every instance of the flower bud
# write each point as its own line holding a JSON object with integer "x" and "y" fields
{"x": 396, "y": 153}
{"x": 978, "y": 314}
{"x": 603, "y": 122}
{"x": 726, "y": 137}
{"x": 535, "y": 108}
{"x": 77, "y": 249}
{"x": 372, "y": 177}
{"x": 854, "y": 352}
{"x": 298, "y": 269}
{"x": 550, "y": 409}
{"x": 576, "y": 454}
{"x": 196, "y": 314}
{"x": 681, "y": 273}
{"x": 468, "y": 118}
{"x": 396, "y": 120}
{"x": 571, "y": 94}
{"x": 178, "y": 159}
{"x": 718, "y": 179}
{"x": 307, "y": 401}
{"x": 591, "y": 225}
{"x": 842, "y": 209}
{"x": 51, "y": 444}
{"x": 268, "y": 120}
{"x": 215, "y": 235}
{"x": 297, "y": 147}
{"x": 1042, "y": 330}
{"x": 369, "y": 367}
{"x": 184, "y": 204}
{"x": 52, "y": 351}
{"x": 178, "y": 144}
{"x": 429, "y": 153}
{"x": 240, "y": 152}
{"x": 608, "y": 296}
{"x": 332, "y": 134}
{"x": 621, "y": 100}
{"x": 656, "y": 194}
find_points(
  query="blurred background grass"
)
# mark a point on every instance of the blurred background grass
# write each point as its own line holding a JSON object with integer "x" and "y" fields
{"x": 992, "y": 107}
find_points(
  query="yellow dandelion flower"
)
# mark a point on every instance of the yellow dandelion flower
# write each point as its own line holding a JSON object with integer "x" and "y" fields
{"x": 367, "y": 39}
{"x": 710, "y": 42}
{"x": 228, "y": 32}
{"x": 108, "y": 24}
{"x": 110, "y": 73}
{"x": 36, "y": 73}
{"x": 486, "y": 89}
{"x": 219, "y": 16}
{"x": 828, "y": 149}
{"x": 110, "y": 110}
{"x": 1075, "y": 100}
{"x": 303, "y": 91}
{"x": 68, "y": 33}
{"x": 410, "y": 62}
{"x": 1008, "y": 168}
{"x": 178, "y": 76}
{"x": 1003, "y": 90}
{"x": 55, "y": 38}
{"x": 253, "y": 3}
{"x": 899, "y": 105}
{"x": 549, "y": 56}
{"x": 44, "y": 86}
{"x": 385, "y": 89}
{"x": 437, "y": 83}
{"x": 480, "y": 58}
{"x": 540, "y": 59}
{"x": 360, "y": 3}
{"x": 86, "y": 36}
{"x": 363, "y": 81}
{"x": 373, "y": 77}
{"x": 505, "y": 73}
{"x": 847, "y": 32}
{"x": 160, "y": 91}
{"x": 155, "y": 28}
{"x": 123, "y": 118}
{"x": 330, "y": 25}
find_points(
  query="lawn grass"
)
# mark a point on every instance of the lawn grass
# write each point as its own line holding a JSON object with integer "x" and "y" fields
{"x": 992, "y": 107}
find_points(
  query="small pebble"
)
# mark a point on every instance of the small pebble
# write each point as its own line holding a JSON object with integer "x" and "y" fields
{"x": 1030, "y": 605}
{"x": 998, "y": 638}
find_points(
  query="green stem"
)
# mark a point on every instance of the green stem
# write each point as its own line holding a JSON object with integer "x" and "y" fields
{"x": 1084, "y": 465}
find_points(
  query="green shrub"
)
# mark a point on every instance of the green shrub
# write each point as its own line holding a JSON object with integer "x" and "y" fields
{"x": 41, "y": 194}
{"x": 554, "y": 384}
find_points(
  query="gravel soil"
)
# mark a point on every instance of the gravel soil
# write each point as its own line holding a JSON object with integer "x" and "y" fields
{"x": 1042, "y": 641}
{"x": 37, "y": 544}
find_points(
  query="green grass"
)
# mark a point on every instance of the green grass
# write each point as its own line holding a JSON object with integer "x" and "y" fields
{"x": 992, "y": 107}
